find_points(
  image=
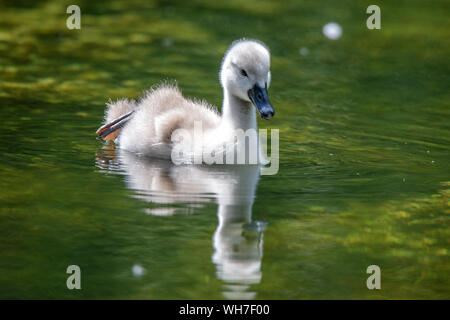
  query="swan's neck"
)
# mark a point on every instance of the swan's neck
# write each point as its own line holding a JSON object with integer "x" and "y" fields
{"x": 237, "y": 113}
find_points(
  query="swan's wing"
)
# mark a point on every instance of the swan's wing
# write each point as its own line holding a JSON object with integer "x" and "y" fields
{"x": 109, "y": 131}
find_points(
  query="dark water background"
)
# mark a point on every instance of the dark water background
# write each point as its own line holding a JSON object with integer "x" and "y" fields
{"x": 364, "y": 153}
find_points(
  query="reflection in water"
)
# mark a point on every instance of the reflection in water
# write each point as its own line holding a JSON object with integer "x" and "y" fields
{"x": 237, "y": 241}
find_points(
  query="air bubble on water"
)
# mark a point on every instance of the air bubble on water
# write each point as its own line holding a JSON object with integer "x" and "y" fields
{"x": 357, "y": 173}
{"x": 138, "y": 270}
{"x": 331, "y": 154}
{"x": 404, "y": 179}
{"x": 304, "y": 51}
{"x": 432, "y": 161}
{"x": 332, "y": 30}
{"x": 167, "y": 42}
{"x": 428, "y": 151}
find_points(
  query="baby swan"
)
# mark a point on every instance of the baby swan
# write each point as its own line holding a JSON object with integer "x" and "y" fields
{"x": 149, "y": 126}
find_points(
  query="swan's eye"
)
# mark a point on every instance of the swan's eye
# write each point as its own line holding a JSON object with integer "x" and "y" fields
{"x": 244, "y": 73}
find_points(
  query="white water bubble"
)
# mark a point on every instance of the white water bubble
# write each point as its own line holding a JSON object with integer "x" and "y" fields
{"x": 138, "y": 270}
{"x": 332, "y": 31}
{"x": 303, "y": 51}
{"x": 167, "y": 42}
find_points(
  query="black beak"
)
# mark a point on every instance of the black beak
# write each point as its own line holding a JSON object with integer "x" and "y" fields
{"x": 259, "y": 97}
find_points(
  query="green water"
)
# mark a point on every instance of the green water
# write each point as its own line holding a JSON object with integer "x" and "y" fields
{"x": 364, "y": 153}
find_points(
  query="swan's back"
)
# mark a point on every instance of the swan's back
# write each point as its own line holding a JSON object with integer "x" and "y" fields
{"x": 157, "y": 115}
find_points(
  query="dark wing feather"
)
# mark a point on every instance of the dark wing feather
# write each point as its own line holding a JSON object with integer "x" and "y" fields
{"x": 109, "y": 131}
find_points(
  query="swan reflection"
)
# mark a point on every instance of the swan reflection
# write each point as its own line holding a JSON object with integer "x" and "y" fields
{"x": 237, "y": 241}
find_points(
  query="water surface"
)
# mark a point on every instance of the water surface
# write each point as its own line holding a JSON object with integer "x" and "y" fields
{"x": 364, "y": 154}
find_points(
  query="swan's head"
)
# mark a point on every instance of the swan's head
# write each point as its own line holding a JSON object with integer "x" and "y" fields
{"x": 245, "y": 74}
